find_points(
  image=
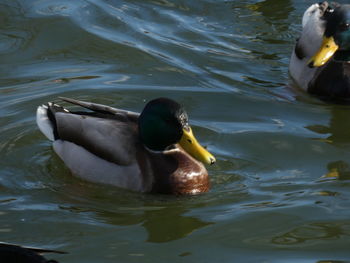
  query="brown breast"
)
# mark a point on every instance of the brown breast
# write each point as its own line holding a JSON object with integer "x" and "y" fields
{"x": 176, "y": 172}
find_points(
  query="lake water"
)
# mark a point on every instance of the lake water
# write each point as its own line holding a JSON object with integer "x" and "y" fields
{"x": 227, "y": 63}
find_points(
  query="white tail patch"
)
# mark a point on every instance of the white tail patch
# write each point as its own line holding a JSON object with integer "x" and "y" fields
{"x": 44, "y": 123}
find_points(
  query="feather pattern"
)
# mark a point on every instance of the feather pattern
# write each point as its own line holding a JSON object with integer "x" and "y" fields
{"x": 320, "y": 60}
{"x": 312, "y": 32}
{"x": 104, "y": 146}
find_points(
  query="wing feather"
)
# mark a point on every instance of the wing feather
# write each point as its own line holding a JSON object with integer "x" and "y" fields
{"x": 110, "y": 139}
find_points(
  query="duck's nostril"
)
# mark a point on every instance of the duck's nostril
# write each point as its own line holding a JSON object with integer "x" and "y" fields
{"x": 212, "y": 160}
{"x": 311, "y": 65}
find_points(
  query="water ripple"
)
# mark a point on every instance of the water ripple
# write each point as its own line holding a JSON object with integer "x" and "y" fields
{"x": 227, "y": 63}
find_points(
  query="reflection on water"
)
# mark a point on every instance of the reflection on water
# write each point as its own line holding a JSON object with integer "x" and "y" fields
{"x": 273, "y": 9}
{"x": 339, "y": 170}
{"x": 168, "y": 224}
{"x": 163, "y": 217}
{"x": 337, "y": 134}
{"x": 163, "y": 224}
{"x": 227, "y": 62}
{"x": 338, "y": 129}
{"x": 313, "y": 232}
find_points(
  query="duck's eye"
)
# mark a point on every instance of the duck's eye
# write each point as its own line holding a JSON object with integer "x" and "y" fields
{"x": 189, "y": 140}
{"x": 344, "y": 27}
{"x": 329, "y": 10}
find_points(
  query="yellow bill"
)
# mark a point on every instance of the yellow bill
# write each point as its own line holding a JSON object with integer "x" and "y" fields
{"x": 190, "y": 144}
{"x": 326, "y": 51}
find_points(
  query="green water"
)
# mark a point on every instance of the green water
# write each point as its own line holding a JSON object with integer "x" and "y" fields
{"x": 227, "y": 63}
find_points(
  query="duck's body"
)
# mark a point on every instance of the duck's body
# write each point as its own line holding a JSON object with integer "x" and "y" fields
{"x": 10, "y": 253}
{"x": 307, "y": 45}
{"x": 105, "y": 146}
{"x": 319, "y": 62}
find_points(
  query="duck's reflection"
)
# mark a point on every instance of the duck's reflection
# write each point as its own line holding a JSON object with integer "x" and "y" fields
{"x": 169, "y": 224}
{"x": 338, "y": 128}
{"x": 338, "y": 169}
{"x": 162, "y": 225}
{"x": 338, "y": 134}
{"x": 164, "y": 217}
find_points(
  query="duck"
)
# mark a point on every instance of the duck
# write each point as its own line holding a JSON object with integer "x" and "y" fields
{"x": 154, "y": 151}
{"x": 320, "y": 61}
{"x": 11, "y": 253}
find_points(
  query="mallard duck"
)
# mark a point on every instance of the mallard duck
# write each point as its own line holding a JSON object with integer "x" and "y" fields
{"x": 154, "y": 151}
{"x": 320, "y": 63}
{"x": 11, "y": 253}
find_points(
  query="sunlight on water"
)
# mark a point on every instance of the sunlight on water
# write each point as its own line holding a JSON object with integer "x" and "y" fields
{"x": 280, "y": 189}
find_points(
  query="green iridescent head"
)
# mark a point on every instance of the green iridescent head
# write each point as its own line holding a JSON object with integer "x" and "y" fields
{"x": 161, "y": 122}
{"x": 338, "y": 26}
{"x": 164, "y": 122}
{"x": 336, "y": 39}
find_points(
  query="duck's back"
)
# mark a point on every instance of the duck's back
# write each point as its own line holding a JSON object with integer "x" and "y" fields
{"x": 106, "y": 136}
{"x": 96, "y": 146}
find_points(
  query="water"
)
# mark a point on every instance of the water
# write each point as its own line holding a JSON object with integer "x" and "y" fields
{"x": 227, "y": 63}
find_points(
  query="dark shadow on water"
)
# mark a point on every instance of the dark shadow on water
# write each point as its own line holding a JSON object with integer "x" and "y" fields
{"x": 11, "y": 253}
